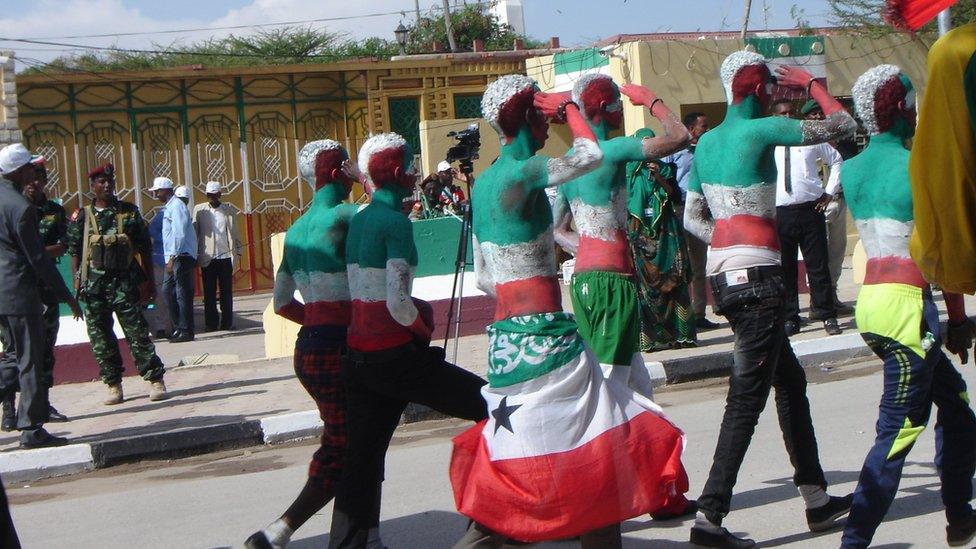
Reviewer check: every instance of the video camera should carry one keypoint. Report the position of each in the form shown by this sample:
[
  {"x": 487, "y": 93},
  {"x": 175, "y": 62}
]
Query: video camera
[{"x": 466, "y": 149}]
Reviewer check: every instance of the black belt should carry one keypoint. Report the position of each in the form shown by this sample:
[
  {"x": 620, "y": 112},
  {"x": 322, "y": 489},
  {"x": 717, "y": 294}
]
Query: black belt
[
  {"x": 755, "y": 274},
  {"x": 381, "y": 356},
  {"x": 801, "y": 206}
]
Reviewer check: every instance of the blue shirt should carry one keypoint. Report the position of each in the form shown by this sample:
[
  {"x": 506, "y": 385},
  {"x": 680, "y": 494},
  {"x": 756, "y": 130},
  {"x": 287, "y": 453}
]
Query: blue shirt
[
  {"x": 682, "y": 161},
  {"x": 179, "y": 238},
  {"x": 156, "y": 234}
]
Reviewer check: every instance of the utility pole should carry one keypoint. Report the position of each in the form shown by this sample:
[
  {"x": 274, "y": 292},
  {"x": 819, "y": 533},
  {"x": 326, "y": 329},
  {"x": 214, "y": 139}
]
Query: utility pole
[
  {"x": 447, "y": 24},
  {"x": 745, "y": 20},
  {"x": 945, "y": 21},
  {"x": 416, "y": 10}
]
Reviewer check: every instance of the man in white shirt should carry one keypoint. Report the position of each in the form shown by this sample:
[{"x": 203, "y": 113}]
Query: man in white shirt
[
  {"x": 219, "y": 249},
  {"x": 179, "y": 254},
  {"x": 801, "y": 200}
]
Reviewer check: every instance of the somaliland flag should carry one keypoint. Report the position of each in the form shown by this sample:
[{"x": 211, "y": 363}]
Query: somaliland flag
[{"x": 564, "y": 450}]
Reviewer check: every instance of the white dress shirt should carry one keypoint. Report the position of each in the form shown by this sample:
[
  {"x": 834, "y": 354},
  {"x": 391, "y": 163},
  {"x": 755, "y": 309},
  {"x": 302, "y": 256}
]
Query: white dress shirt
[
  {"x": 805, "y": 179},
  {"x": 221, "y": 242}
]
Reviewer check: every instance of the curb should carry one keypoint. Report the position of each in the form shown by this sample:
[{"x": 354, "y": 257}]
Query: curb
[{"x": 28, "y": 465}]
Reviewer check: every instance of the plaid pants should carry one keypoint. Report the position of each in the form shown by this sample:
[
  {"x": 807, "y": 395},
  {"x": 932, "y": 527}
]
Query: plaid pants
[{"x": 318, "y": 366}]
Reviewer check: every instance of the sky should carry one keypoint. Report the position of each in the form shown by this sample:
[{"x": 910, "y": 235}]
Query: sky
[{"x": 575, "y": 22}]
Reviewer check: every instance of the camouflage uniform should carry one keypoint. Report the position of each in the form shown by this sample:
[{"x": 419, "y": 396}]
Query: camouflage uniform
[
  {"x": 52, "y": 222},
  {"x": 106, "y": 292}
]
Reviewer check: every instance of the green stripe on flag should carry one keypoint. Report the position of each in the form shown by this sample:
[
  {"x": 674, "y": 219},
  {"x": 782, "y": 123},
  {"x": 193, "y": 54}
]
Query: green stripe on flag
[
  {"x": 799, "y": 46},
  {"x": 526, "y": 347},
  {"x": 579, "y": 61}
]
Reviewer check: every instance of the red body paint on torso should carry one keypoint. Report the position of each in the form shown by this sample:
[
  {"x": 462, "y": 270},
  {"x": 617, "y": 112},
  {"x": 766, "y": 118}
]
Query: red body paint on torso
[
  {"x": 595, "y": 254},
  {"x": 371, "y": 328},
  {"x": 539, "y": 294},
  {"x": 894, "y": 270},
  {"x": 745, "y": 230}
]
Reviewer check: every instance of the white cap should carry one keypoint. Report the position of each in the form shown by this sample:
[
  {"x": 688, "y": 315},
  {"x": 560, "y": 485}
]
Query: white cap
[
  {"x": 161, "y": 183},
  {"x": 182, "y": 192},
  {"x": 213, "y": 187},
  {"x": 13, "y": 157},
  {"x": 443, "y": 166}
]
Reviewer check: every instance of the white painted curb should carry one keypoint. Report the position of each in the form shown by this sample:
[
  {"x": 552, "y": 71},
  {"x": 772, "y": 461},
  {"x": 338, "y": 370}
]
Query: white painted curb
[
  {"x": 24, "y": 465},
  {"x": 288, "y": 427},
  {"x": 844, "y": 342}
]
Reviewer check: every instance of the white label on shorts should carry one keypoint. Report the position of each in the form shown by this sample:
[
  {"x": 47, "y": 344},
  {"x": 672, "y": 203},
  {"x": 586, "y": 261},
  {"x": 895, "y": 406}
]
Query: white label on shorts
[{"x": 733, "y": 278}]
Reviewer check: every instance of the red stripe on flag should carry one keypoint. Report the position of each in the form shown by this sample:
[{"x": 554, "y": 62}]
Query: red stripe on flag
[
  {"x": 746, "y": 230},
  {"x": 599, "y": 255},
  {"x": 539, "y": 294},
  {"x": 627, "y": 471}
]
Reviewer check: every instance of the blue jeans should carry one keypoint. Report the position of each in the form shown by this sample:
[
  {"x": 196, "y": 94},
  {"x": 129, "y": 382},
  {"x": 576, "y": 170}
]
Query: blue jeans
[
  {"x": 911, "y": 384},
  {"x": 178, "y": 288}
]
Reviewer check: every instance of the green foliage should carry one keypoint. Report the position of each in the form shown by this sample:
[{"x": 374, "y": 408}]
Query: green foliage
[
  {"x": 864, "y": 16},
  {"x": 288, "y": 45}
]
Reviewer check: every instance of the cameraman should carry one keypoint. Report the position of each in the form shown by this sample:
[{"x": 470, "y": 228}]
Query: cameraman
[{"x": 434, "y": 184}]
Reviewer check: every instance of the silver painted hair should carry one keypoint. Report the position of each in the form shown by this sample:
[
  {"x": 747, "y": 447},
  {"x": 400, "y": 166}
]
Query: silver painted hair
[
  {"x": 499, "y": 92},
  {"x": 375, "y": 144},
  {"x": 308, "y": 154},
  {"x": 733, "y": 64},
  {"x": 865, "y": 89},
  {"x": 584, "y": 82}
]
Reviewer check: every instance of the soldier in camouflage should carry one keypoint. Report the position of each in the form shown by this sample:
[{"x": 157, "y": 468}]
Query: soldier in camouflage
[
  {"x": 52, "y": 222},
  {"x": 117, "y": 289}
]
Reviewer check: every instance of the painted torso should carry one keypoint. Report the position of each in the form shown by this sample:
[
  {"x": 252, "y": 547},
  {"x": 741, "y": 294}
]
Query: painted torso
[
  {"x": 379, "y": 247},
  {"x": 512, "y": 225},
  {"x": 879, "y": 195},
  {"x": 314, "y": 259},
  {"x": 598, "y": 201}
]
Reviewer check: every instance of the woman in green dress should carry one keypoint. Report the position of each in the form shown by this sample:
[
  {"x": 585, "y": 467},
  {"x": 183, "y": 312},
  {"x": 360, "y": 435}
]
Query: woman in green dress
[{"x": 660, "y": 256}]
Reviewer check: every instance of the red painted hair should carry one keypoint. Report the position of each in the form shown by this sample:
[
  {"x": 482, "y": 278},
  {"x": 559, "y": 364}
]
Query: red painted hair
[
  {"x": 383, "y": 164},
  {"x": 886, "y": 100},
  {"x": 326, "y": 161},
  {"x": 745, "y": 81},
  {"x": 599, "y": 90},
  {"x": 514, "y": 113}
]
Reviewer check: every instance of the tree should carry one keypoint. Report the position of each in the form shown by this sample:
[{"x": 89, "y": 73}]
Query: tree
[
  {"x": 864, "y": 16},
  {"x": 471, "y": 22}
]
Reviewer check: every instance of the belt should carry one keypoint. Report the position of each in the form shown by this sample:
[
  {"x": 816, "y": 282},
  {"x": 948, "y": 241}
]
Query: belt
[
  {"x": 381, "y": 356},
  {"x": 744, "y": 276},
  {"x": 801, "y": 206}
]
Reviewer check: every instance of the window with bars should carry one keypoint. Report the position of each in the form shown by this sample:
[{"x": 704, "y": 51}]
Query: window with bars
[
  {"x": 467, "y": 106},
  {"x": 405, "y": 120}
]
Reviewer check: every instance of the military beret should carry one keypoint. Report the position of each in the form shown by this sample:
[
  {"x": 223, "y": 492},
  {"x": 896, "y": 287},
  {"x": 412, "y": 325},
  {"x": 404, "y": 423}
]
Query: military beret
[{"x": 107, "y": 170}]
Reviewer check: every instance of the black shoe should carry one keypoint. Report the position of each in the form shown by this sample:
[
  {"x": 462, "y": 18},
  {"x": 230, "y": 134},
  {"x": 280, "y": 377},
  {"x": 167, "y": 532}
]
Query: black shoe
[
  {"x": 843, "y": 309},
  {"x": 181, "y": 337},
  {"x": 791, "y": 327},
  {"x": 724, "y": 539},
  {"x": 258, "y": 541},
  {"x": 825, "y": 517},
  {"x": 703, "y": 324},
  {"x": 9, "y": 421},
  {"x": 43, "y": 439},
  {"x": 691, "y": 507},
  {"x": 831, "y": 327},
  {"x": 961, "y": 532},
  {"x": 54, "y": 416},
  {"x": 227, "y": 327}
]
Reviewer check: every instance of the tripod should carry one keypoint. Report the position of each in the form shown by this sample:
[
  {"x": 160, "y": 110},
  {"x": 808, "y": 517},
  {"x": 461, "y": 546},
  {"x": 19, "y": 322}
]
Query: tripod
[{"x": 460, "y": 264}]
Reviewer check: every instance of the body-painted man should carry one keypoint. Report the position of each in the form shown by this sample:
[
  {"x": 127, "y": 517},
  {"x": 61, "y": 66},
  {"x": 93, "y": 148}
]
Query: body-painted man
[
  {"x": 900, "y": 322},
  {"x": 52, "y": 223},
  {"x": 563, "y": 441},
  {"x": 731, "y": 204},
  {"x": 604, "y": 292},
  {"x": 314, "y": 265},
  {"x": 390, "y": 360},
  {"x": 110, "y": 280}
]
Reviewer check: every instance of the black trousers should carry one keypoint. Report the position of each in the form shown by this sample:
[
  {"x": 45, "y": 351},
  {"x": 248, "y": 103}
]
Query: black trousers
[
  {"x": 762, "y": 358},
  {"x": 378, "y": 387},
  {"x": 802, "y": 227},
  {"x": 179, "y": 286},
  {"x": 219, "y": 272},
  {"x": 22, "y": 366}
]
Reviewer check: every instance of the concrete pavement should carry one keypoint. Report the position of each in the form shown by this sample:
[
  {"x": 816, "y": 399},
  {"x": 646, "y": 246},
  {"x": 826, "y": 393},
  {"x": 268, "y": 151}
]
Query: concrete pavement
[{"x": 219, "y": 499}]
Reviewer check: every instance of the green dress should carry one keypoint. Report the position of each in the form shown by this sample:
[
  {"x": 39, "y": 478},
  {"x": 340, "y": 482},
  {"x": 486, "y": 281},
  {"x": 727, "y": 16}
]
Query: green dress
[{"x": 661, "y": 261}]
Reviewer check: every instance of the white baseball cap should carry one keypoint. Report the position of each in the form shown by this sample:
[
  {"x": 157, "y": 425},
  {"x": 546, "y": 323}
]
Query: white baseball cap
[
  {"x": 182, "y": 192},
  {"x": 443, "y": 166},
  {"x": 13, "y": 157},
  {"x": 213, "y": 187},
  {"x": 161, "y": 183}
]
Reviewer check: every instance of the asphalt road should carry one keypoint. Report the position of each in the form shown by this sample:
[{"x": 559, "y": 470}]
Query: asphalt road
[{"x": 219, "y": 499}]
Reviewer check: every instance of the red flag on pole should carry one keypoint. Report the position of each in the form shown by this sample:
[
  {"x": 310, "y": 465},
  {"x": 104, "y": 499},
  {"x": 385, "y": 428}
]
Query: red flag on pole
[{"x": 913, "y": 14}]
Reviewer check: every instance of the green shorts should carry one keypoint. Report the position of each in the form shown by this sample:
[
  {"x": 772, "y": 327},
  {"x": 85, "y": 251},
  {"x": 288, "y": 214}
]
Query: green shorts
[{"x": 605, "y": 305}]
